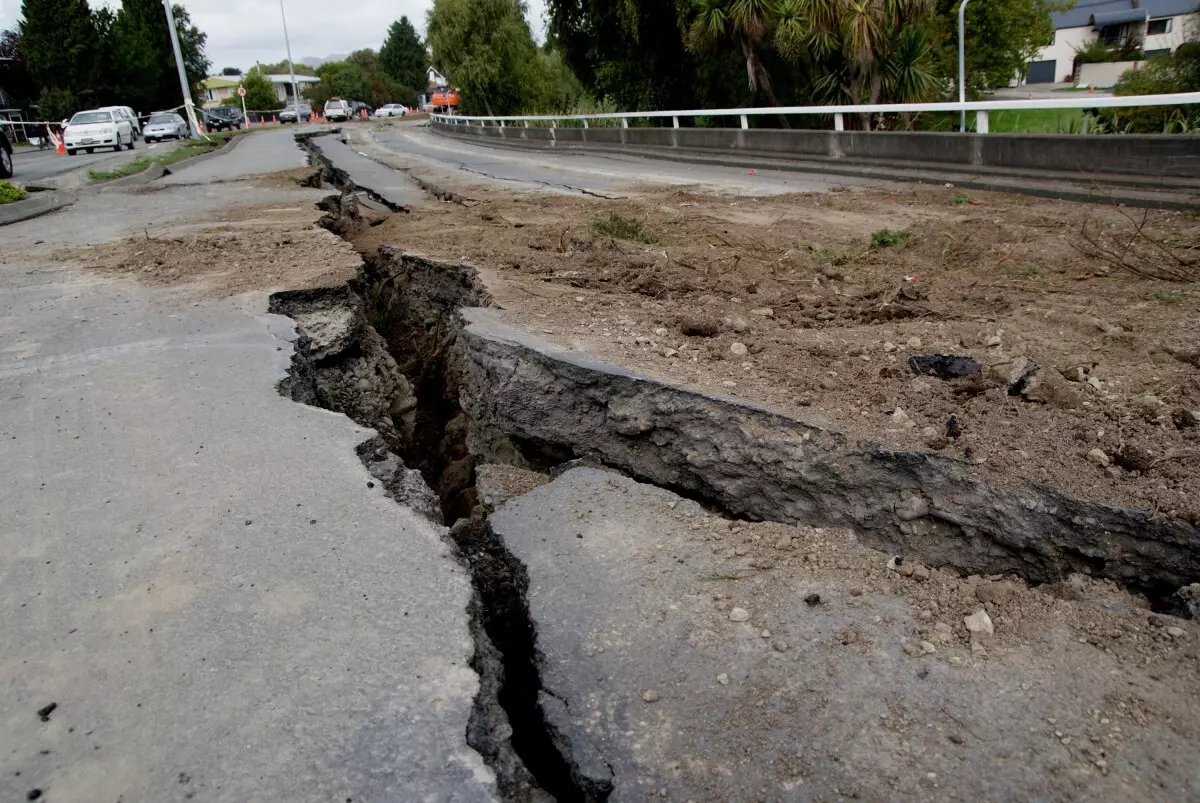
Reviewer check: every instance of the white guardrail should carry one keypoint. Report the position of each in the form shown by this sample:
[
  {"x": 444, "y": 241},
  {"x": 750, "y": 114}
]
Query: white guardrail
[{"x": 1084, "y": 101}]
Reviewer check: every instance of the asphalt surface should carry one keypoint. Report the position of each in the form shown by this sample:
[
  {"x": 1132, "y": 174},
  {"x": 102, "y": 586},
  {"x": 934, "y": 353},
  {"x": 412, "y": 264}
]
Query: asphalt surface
[
  {"x": 574, "y": 172},
  {"x": 34, "y": 166},
  {"x": 197, "y": 574}
]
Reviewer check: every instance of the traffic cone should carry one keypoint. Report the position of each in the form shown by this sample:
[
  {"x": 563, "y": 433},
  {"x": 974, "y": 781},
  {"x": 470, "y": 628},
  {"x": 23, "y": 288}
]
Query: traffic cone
[
  {"x": 262, "y": 122},
  {"x": 274, "y": 119},
  {"x": 61, "y": 150},
  {"x": 1091, "y": 89}
]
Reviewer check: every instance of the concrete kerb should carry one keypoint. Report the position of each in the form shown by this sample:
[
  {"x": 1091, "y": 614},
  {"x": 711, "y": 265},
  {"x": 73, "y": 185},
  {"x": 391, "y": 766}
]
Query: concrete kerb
[
  {"x": 156, "y": 171},
  {"x": 1159, "y": 192},
  {"x": 36, "y": 205}
]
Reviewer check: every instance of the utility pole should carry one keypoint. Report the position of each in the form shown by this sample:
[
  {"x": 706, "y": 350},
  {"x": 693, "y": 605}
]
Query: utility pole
[
  {"x": 291, "y": 66},
  {"x": 189, "y": 106},
  {"x": 962, "y": 65}
]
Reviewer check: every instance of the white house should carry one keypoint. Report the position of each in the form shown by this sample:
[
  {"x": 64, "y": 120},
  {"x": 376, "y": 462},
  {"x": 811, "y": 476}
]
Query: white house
[
  {"x": 1157, "y": 24},
  {"x": 220, "y": 87}
]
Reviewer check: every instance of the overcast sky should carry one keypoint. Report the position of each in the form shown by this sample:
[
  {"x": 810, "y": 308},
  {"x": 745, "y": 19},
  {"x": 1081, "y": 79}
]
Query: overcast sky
[{"x": 241, "y": 32}]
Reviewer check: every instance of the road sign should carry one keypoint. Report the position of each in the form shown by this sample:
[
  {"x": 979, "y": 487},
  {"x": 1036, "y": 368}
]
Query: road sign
[{"x": 241, "y": 91}]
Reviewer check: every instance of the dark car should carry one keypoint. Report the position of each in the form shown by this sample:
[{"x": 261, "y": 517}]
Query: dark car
[
  {"x": 223, "y": 118},
  {"x": 292, "y": 115},
  {"x": 6, "y": 163},
  {"x": 357, "y": 107}
]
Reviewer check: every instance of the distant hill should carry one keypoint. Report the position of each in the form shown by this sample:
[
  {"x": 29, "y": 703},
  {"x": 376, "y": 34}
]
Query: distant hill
[{"x": 315, "y": 62}]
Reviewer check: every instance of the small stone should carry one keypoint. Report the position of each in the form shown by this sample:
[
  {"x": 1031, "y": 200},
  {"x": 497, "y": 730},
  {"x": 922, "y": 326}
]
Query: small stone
[
  {"x": 661, "y": 332},
  {"x": 914, "y": 343},
  {"x": 1175, "y": 632},
  {"x": 925, "y": 616},
  {"x": 1184, "y": 418},
  {"x": 913, "y": 648},
  {"x": 1098, "y": 457},
  {"x": 956, "y": 660},
  {"x": 764, "y": 312},
  {"x": 993, "y": 341},
  {"x": 905, "y": 570},
  {"x": 739, "y": 615},
  {"x": 812, "y": 600},
  {"x": 766, "y": 633},
  {"x": 889, "y": 347},
  {"x": 669, "y": 352},
  {"x": 900, "y": 417},
  {"x": 784, "y": 542},
  {"x": 780, "y": 645},
  {"x": 738, "y": 349},
  {"x": 979, "y": 622},
  {"x": 978, "y": 649},
  {"x": 825, "y": 315},
  {"x": 739, "y": 325},
  {"x": 1148, "y": 406},
  {"x": 928, "y": 648},
  {"x": 723, "y": 679},
  {"x": 642, "y": 340},
  {"x": 849, "y": 637},
  {"x": 651, "y": 696},
  {"x": 920, "y": 573}
]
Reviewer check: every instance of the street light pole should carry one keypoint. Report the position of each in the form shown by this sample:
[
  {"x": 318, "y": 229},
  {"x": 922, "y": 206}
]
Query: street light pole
[
  {"x": 189, "y": 107},
  {"x": 291, "y": 66},
  {"x": 962, "y": 64}
]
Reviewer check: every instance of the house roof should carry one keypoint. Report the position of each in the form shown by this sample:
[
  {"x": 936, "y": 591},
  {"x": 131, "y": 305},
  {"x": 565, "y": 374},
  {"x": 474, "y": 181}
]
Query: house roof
[{"x": 1113, "y": 12}]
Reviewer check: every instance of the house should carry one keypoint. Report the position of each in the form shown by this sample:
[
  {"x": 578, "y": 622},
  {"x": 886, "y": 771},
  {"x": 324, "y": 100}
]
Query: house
[
  {"x": 1157, "y": 25},
  {"x": 220, "y": 87},
  {"x": 436, "y": 79}
]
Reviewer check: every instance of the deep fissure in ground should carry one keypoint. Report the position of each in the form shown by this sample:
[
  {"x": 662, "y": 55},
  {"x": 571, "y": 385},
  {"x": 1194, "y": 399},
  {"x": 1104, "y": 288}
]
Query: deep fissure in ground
[{"x": 409, "y": 311}]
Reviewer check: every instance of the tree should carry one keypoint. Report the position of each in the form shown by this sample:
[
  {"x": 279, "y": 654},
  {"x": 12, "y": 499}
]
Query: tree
[
  {"x": 403, "y": 55},
  {"x": 741, "y": 22},
  {"x": 485, "y": 48},
  {"x": 145, "y": 58},
  {"x": 60, "y": 44},
  {"x": 15, "y": 78},
  {"x": 231, "y": 71},
  {"x": 1003, "y": 36},
  {"x": 260, "y": 93},
  {"x": 281, "y": 68},
  {"x": 351, "y": 82}
]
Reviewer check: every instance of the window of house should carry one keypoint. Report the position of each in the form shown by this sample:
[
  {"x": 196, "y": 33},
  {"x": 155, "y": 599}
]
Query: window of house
[{"x": 1158, "y": 27}]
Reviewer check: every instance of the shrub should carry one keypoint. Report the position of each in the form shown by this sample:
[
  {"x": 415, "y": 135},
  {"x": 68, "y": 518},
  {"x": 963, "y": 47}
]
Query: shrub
[{"x": 9, "y": 194}]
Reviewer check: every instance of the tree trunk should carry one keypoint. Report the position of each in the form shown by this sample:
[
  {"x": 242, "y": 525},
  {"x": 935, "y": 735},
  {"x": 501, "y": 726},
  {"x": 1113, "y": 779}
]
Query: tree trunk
[{"x": 758, "y": 76}]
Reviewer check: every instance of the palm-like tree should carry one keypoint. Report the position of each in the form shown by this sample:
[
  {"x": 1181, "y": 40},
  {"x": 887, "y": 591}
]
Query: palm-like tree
[{"x": 742, "y": 22}]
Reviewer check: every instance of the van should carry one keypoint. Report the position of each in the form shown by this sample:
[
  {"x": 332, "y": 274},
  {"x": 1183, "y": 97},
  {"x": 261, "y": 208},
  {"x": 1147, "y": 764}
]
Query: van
[
  {"x": 128, "y": 114},
  {"x": 337, "y": 110}
]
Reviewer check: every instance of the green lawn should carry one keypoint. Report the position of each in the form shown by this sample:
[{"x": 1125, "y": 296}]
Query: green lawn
[
  {"x": 1036, "y": 121},
  {"x": 10, "y": 194},
  {"x": 190, "y": 148}
]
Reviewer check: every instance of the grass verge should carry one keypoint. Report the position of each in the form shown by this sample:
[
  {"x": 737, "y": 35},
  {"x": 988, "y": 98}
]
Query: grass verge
[
  {"x": 10, "y": 194},
  {"x": 187, "y": 150}
]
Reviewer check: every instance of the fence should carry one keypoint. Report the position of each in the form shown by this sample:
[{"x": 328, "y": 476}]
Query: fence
[{"x": 981, "y": 109}]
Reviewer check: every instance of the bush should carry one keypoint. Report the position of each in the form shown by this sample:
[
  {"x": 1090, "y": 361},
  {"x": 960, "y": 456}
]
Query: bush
[
  {"x": 1168, "y": 74},
  {"x": 10, "y": 194}
]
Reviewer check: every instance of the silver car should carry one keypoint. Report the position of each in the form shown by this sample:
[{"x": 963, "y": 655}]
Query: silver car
[{"x": 165, "y": 125}]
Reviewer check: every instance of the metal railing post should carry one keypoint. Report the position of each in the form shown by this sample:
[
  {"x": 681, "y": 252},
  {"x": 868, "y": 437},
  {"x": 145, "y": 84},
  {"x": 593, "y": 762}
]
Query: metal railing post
[
  {"x": 839, "y": 122},
  {"x": 624, "y": 122},
  {"x": 981, "y": 122},
  {"x": 745, "y": 121},
  {"x": 585, "y": 125},
  {"x": 962, "y": 65},
  {"x": 675, "y": 121}
]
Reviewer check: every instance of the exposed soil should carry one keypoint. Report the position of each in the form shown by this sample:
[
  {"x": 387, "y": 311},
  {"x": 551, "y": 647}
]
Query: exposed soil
[
  {"x": 240, "y": 249},
  {"x": 829, "y": 318}
]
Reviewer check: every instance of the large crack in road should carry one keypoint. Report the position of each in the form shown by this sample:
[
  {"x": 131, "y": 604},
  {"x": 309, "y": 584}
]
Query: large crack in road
[{"x": 411, "y": 350}]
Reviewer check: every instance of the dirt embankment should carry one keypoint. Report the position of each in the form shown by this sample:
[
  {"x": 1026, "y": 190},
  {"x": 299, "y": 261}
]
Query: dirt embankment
[{"x": 814, "y": 304}]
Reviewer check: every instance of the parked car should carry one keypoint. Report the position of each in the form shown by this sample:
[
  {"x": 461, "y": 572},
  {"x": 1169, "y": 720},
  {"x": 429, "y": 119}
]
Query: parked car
[
  {"x": 166, "y": 125},
  {"x": 6, "y": 162},
  {"x": 129, "y": 114},
  {"x": 337, "y": 110},
  {"x": 392, "y": 110},
  {"x": 357, "y": 107},
  {"x": 223, "y": 118},
  {"x": 98, "y": 128},
  {"x": 292, "y": 114}
]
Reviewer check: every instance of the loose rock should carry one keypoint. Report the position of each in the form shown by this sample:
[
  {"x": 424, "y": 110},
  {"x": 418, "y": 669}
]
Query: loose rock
[
  {"x": 739, "y": 615},
  {"x": 979, "y": 622},
  {"x": 723, "y": 679},
  {"x": 651, "y": 696},
  {"x": 780, "y": 646},
  {"x": 738, "y": 349},
  {"x": 699, "y": 325},
  {"x": 1098, "y": 457}
]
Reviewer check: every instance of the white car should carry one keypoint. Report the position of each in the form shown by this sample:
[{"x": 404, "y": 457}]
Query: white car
[
  {"x": 165, "y": 125},
  {"x": 97, "y": 129},
  {"x": 129, "y": 114},
  {"x": 392, "y": 110}
]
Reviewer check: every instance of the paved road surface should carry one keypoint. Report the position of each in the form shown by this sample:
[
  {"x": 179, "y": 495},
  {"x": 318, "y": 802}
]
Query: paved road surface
[
  {"x": 592, "y": 173},
  {"x": 195, "y": 569},
  {"x": 34, "y": 166}
]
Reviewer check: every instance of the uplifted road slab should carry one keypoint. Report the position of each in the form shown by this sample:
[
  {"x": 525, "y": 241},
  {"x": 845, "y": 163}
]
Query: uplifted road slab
[{"x": 693, "y": 657}]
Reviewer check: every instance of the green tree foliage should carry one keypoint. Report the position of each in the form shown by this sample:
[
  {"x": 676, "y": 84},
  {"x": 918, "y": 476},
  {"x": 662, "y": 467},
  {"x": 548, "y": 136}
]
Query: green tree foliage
[
  {"x": 232, "y": 72},
  {"x": 260, "y": 93},
  {"x": 485, "y": 48},
  {"x": 403, "y": 55},
  {"x": 281, "y": 68},
  {"x": 360, "y": 77},
  {"x": 145, "y": 59},
  {"x": 740, "y": 23},
  {"x": 60, "y": 43},
  {"x": 1003, "y": 36},
  {"x": 15, "y": 78}
]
